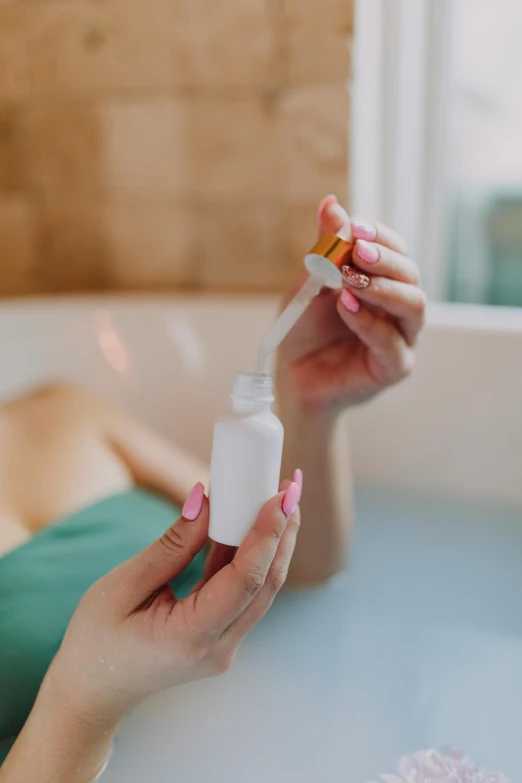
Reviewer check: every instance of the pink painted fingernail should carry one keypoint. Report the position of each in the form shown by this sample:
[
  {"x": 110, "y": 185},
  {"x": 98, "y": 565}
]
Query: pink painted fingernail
[
  {"x": 193, "y": 503},
  {"x": 367, "y": 252},
  {"x": 325, "y": 203},
  {"x": 350, "y": 301},
  {"x": 298, "y": 479},
  {"x": 291, "y": 499},
  {"x": 363, "y": 230}
]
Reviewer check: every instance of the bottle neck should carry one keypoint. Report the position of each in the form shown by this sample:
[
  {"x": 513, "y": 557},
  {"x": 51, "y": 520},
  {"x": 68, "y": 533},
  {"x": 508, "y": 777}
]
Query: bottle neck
[{"x": 252, "y": 392}]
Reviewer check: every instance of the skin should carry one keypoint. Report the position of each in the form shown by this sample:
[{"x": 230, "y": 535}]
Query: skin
[
  {"x": 130, "y": 637},
  {"x": 333, "y": 358}
]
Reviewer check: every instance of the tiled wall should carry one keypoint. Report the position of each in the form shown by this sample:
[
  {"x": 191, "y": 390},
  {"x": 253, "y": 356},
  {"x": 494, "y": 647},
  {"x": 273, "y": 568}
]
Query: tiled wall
[{"x": 152, "y": 144}]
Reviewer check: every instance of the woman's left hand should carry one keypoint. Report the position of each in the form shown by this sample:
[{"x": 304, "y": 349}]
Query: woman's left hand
[
  {"x": 130, "y": 637},
  {"x": 346, "y": 348}
]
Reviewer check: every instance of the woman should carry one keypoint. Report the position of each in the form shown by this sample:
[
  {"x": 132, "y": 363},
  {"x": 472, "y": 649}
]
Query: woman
[{"x": 130, "y": 635}]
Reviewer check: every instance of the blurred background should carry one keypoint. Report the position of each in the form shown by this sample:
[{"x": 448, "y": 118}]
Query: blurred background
[
  {"x": 485, "y": 148},
  {"x": 166, "y": 144},
  {"x": 184, "y": 144}
]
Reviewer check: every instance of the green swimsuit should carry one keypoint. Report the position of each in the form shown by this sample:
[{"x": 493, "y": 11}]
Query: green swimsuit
[{"x": 42, "y": 582}]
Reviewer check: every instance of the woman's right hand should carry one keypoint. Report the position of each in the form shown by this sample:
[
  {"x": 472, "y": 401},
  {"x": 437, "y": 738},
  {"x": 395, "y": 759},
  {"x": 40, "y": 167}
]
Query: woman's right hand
[{"x": 131, "y": 637}]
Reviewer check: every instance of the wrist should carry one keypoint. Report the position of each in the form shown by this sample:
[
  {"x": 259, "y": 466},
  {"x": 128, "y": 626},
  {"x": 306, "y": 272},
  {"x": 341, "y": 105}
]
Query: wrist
[
  {"x": 295, "y": 410},
  {"x": 305, "y": 425},
  {"x": 304, "y": 401},
  {"x": 79, "y": 715},
  {"x": 59, "y": 742}
]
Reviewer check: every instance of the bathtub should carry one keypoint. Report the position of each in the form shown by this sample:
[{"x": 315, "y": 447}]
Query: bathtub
[{"x": 405, "y": 651}]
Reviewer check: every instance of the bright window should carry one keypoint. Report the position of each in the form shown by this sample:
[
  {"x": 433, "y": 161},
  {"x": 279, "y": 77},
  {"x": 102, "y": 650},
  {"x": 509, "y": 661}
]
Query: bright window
[
  {"x": 485, "y": 145},
  {"x": 437, "y": 138}
]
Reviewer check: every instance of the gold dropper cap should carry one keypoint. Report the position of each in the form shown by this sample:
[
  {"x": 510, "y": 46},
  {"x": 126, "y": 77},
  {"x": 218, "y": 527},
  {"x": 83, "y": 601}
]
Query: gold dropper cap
[
  {"x": 332, "y": 247},
  {"x": 328, "y": 255},
  {"x": 323, "y": 263}
]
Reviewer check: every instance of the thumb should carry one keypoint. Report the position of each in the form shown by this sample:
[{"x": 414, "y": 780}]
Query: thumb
[
  {"x": 334, "y": 219},
  {"x": 169, "y": 555}
]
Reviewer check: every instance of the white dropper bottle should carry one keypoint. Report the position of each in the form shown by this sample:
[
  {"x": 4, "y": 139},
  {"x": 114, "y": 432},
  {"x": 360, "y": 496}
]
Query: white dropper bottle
[
  {"x": 323, "y": 264},
  {"x": 246, "y": 459}
]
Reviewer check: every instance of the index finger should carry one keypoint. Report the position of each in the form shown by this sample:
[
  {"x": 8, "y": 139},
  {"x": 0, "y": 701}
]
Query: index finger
[
  {"x": 333, "y": 217},
  {"x": 224, "y": 597}
]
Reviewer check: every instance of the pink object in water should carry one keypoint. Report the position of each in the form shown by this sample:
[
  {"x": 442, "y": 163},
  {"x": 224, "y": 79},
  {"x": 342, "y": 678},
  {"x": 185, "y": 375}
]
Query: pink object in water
[{"x": 430, "y": 766}]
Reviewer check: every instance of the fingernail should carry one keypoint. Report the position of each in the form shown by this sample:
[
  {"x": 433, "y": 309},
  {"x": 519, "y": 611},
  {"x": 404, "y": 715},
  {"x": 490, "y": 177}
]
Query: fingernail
[
  {"x": 350, "y": 301},
  {"x": 363, "y": 230},
  {"x": 291, "y": 499},
  {"x": 353, "y": 277},
  {"x": 367, "y": 252},
  {"x": 325, "y": 203},
  {"x": 193, "y": 503},
  {"x": 298, "y": 479}
]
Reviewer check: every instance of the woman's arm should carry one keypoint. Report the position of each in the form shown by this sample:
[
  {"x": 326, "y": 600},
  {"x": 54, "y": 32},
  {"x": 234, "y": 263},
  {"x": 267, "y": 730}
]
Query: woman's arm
[
  {"x": 153, "y": 461},
  {"x": 58, "y": 743},
  {"x": 318, "y": 443},
  {"x": 344, "y": 350}
]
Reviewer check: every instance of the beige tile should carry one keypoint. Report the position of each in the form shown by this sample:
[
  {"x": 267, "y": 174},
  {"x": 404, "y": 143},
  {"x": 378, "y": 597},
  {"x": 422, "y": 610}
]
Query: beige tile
[
  {"x": 18, "y": 246},
  {"x": 145, "y": 147},
  {"x": 65, "y": 149},
  {"x": 14, "y": 73},
  {"x": 14, "y": 161},
  {"x": 233, "y": 147},
  {"x": 72, "y": 248},
  {"x": 320, "y": 34},
  {"x": 224, "y": 43},
  {"x": 242, "y": 245},
  {"x": 313, "y": 128},
  {"x": 152, "y": 246},
  {"x": 102, "y": 46}
]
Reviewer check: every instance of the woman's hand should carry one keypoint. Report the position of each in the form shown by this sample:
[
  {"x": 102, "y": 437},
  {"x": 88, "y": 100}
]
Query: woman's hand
[
  {"x": 346, "y": 348},
  {"x": 131, "y": 637}
]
